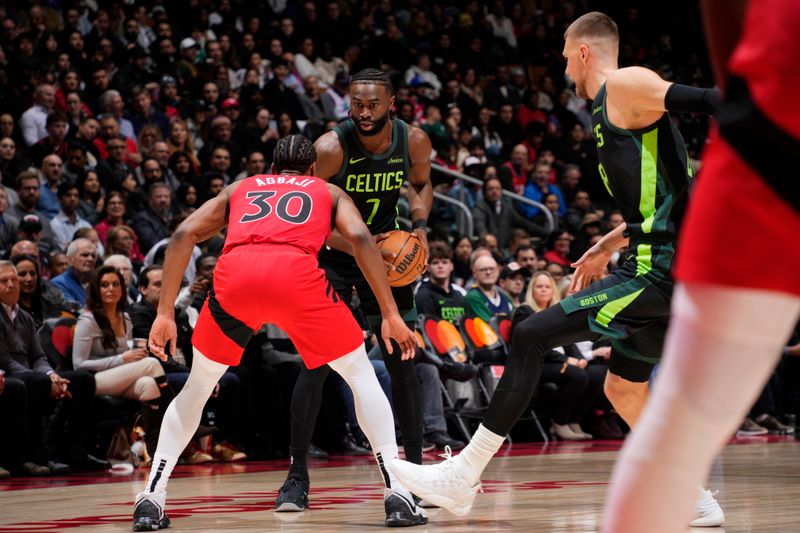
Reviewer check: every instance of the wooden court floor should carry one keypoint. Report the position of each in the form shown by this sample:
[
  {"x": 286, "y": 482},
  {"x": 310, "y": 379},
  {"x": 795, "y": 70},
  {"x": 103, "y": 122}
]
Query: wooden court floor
[{"x": 558, "y": 488}]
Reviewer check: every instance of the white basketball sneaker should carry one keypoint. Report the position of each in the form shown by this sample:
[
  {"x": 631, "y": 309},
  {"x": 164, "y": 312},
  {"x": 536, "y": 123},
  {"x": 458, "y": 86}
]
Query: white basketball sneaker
[
  {"x": 708, "y": 512},
  {"x": 441, "y": 484}
]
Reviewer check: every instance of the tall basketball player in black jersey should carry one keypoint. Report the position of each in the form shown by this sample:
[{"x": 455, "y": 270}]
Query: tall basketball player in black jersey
[
  {"x": 644, "y": 165},
  {"x": 370, "y": 156}
]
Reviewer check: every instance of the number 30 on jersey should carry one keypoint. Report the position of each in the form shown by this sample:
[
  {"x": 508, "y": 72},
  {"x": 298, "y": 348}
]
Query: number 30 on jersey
[{"x": 293, "y": 207}]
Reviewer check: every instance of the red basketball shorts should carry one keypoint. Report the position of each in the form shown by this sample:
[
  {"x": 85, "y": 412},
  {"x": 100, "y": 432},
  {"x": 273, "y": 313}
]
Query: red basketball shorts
[
  {"x": 738, "y": 231},
  {"x": 259, "y": 284}
]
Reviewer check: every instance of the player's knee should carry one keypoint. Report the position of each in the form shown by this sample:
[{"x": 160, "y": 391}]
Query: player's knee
[
  {"x": 529, "y": 336},
  {"x": 618, "y": 389}
]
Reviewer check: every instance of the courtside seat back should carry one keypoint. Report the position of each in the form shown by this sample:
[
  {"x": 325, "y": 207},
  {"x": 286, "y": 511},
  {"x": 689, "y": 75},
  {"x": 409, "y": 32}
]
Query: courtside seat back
[{"x": 485, "y": 344}]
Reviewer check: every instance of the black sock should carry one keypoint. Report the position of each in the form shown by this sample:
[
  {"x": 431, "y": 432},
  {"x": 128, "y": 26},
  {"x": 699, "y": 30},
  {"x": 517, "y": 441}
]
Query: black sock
[{"x": 299, "y": 467}]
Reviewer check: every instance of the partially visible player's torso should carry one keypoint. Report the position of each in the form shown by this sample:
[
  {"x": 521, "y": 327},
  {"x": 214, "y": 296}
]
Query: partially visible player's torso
[
  {"x": 647, "y": 172},
  {"x": 280, "y": 210},
  {"x": 374, "y": 181}
]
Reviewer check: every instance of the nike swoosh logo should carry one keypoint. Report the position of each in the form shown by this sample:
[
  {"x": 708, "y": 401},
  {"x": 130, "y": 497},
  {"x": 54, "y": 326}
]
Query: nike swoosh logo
[
  {"x": 596, "y": 110},
  {"x": 354, "y": 161}
]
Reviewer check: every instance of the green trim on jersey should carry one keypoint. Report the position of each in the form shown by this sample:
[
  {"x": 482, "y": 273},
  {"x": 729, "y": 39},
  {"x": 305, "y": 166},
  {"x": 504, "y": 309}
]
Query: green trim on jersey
[
  {"x": 647, "y": 172},
  {"x": 650, "y": 178},
  {"x": 607, "y": 313},
  {"x": 644, "y": 259}
]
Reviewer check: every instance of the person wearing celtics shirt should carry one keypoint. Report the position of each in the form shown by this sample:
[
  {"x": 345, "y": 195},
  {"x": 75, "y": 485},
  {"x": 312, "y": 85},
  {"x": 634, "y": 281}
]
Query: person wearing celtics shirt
[{"x": 370, "y": 156}]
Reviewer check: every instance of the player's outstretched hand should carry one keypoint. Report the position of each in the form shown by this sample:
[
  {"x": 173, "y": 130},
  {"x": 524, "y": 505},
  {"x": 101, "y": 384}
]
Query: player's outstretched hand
[
  {"x": 163, "y": 330},
  {"x": 393, "y": 327},
  {"x": 590, "y": 267}
]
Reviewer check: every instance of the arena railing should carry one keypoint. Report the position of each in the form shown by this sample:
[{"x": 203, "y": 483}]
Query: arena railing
[{"x": 518, "y": 197}]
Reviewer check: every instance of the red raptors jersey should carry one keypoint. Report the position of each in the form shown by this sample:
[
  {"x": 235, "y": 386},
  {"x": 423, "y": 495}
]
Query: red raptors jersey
[
  {"x": 267, "y": 209},
  {"x": 767, "y": 56},
  {"x": 738, "y": 212}
]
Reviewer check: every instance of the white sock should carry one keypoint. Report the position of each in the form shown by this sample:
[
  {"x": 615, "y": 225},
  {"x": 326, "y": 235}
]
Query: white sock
[
  {"x": 722, "y": 345},
  {"x": 373, "y": 411},
  {"x": 182, "y": 419},
  {"x": 473, "y": 459}
]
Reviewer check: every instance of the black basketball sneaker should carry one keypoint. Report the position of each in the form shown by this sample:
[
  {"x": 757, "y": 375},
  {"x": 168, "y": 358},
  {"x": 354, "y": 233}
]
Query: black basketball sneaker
[
  {"x": 402, "y": 510},
  {"x": 148, "y": 514},
  {"x": 293, "y": 496}
]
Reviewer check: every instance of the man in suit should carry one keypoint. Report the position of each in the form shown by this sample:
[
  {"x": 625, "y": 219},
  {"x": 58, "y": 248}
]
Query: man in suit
[{"x": 22, "y": 358}]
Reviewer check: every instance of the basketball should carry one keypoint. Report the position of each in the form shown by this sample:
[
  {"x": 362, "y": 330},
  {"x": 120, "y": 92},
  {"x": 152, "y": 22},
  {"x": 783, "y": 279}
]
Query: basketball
[{"x": 409, "y": 263}]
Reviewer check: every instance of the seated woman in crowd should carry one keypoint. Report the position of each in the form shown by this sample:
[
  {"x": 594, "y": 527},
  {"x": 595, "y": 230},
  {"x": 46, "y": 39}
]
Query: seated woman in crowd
[
  {"x": 579, "y": 385},
  {"x": 103, "y": 345},
  {"x": 91, "y": 200},
  {"x": 180, "y": 163},
  {"x": 121, "y": 240},
  {"x": 186, "y": 199},
  {"x": 553, "y": 204},
  {"x": 558, "y": 248},
  {"x": 38, "y": 296},
  {"x": 148, "y": 136},
  {"x": 115, "y": 214},
  {"x": 560, "y": 276},
  {"x": 179, "y": 140}
]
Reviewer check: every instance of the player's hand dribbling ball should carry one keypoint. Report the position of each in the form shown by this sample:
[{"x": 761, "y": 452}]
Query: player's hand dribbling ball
[{"x": 409, "y": 259}]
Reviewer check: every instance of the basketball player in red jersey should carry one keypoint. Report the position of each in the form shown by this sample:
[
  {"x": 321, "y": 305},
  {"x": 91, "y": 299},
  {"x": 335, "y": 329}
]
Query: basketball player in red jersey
[
  {"x": 730, "y": 322},
  {"x": 268, "y": 272}
]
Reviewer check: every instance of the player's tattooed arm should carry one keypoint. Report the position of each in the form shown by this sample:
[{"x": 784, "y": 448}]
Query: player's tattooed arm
[
  {"x": 420, "y": 190},
  {"x": 330, "y": 156}
]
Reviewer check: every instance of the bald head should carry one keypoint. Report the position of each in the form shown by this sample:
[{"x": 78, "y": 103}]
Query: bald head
[
  {"x": 25, "y": 247},
  {"x": 51, "y": 168}
]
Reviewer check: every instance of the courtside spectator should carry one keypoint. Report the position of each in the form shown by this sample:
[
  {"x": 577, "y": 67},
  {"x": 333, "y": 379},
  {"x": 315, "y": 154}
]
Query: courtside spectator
[{"x": 81, "y": 254}]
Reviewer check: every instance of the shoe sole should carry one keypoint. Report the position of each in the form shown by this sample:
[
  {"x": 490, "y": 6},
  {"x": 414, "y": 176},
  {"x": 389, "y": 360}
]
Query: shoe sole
[
  {"x": 715, "y": 520},
  {"x": 289, "y": 507},
  {"x": 402, "y": 522},
  {"x": 161, "y": 524}
]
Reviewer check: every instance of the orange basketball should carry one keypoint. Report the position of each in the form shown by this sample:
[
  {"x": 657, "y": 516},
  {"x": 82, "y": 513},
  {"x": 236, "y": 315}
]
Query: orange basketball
[{"x": 409, "y": 263}]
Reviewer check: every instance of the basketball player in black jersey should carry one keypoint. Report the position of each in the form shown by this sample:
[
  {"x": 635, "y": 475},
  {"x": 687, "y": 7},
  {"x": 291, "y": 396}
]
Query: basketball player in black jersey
[
  {"x": 644, "y": 165},
  {"x": 370, "y": 156}
]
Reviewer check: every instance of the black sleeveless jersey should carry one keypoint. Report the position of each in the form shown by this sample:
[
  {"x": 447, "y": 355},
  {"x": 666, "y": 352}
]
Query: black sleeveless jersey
[
  {"x": 373, "y": 181},
  {"x": 647, "y": 171}
]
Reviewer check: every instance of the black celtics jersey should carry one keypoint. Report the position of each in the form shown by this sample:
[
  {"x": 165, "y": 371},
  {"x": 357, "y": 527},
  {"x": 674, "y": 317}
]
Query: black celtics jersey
[
  {"x": 647, "y": 172},
  {"x": 373, "y": 181}
]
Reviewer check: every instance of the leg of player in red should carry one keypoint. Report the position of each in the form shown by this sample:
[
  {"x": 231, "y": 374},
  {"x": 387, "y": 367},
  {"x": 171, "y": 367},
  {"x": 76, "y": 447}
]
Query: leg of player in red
[
  {"x": 730, "y": 322},
  {"x": 253, "y": 280}
]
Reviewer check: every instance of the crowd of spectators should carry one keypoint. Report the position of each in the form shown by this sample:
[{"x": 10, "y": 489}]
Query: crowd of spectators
[{"x": 118, "y": 119}]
